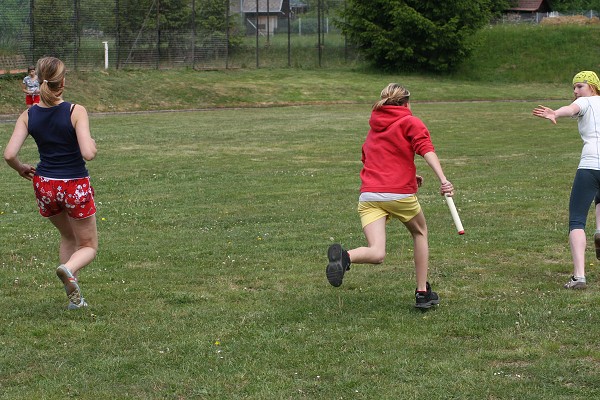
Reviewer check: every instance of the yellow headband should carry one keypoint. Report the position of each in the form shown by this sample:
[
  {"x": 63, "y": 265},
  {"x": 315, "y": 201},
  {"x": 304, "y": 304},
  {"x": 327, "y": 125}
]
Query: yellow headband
[{"x": 588, "y": 77}]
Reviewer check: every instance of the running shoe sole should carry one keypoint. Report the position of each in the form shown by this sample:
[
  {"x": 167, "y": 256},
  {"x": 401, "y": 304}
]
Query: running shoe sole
[
  {"x": 335, "y": 270},
  {"x": 429, "y": 304},
  {"x": 71, "y": 286}
]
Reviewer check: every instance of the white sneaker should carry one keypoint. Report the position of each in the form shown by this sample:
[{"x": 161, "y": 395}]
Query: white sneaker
[
  {"x": 73, "y": 306},
  {"x": 70, "y": 283},
  {"x": 575, "y": 283}
]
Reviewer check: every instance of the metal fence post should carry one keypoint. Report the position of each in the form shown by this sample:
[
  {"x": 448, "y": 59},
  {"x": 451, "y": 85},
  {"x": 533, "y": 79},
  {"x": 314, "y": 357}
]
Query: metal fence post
[
  {"x": 117, "y": 33},
  {"x": 227, "y": 33},
  {"x": 257, "y": 34},
  {"x": 193, "y": 50},
  {"x": 289, "y": 33},
  {"x": 76, "y": 37},
  {"x": 157, "y": 34},
  {"x": 32, "y": 31}
]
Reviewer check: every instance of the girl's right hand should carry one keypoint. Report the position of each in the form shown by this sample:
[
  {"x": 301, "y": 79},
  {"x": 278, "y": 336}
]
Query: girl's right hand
[
  {"x": 545, "y": 112},
  {"x": 27, "y": 171}
]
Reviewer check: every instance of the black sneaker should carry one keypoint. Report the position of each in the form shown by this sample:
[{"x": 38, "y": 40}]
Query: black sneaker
[
  {"x": 597, "y": 244},
  {"x": 427, "y": 299},
  {"x": 339, "y": 263}
]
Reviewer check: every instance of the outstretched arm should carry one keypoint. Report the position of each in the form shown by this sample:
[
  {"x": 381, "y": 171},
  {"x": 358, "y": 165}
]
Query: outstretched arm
[
  {"x": 434, "y": 163},
  {"x": 552, "y": 115}
]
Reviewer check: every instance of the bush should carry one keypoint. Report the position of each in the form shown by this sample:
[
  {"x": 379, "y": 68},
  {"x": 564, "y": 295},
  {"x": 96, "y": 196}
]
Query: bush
[{"x": 414, "y": 35}]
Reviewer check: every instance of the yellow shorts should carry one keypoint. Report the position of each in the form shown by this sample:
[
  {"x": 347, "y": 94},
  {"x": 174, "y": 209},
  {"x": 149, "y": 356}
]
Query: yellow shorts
[{"x": 405, "y": 210}]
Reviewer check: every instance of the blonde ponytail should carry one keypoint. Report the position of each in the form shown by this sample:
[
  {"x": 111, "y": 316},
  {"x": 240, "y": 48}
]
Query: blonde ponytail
[
  {"x": 393, "y": 95},
  {"x": 51, "y": 75}
]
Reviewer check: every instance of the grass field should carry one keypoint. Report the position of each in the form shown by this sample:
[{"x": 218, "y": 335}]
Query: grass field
[
  {"x": 210, "y": 282},
  {"x": 138, "y": 90}
]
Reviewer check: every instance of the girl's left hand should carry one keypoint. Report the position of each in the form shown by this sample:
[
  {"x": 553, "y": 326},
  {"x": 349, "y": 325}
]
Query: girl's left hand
[
  {"x": 447, "y": 188},
  {"x": 419, "y": 180}
]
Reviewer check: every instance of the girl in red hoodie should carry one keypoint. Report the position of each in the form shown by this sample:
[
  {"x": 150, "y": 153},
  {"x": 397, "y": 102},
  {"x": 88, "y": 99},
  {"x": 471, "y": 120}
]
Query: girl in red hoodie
[{"x": 389, "y": 183}]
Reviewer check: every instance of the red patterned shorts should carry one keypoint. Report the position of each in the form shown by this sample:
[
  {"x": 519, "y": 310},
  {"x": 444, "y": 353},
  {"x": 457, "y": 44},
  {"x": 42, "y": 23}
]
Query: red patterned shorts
[{"x": 54, "y": 196}]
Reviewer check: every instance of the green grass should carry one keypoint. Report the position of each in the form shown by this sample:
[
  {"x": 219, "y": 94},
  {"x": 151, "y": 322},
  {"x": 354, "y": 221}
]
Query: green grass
[
  {"x": 142, "y": 90},
  {"x": 532, "y": 53},
  {"x": 214, "y": 224},
  {"x": 210, "y": 279}
]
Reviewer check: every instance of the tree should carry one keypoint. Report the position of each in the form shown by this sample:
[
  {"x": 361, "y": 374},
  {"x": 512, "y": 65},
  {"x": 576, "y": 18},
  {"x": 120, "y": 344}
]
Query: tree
[
  {"x": 575, "y": 5},
  {"x": 411, "y": 35},
  {"x": 13, "y": 17},
  {"x": 54, "y": 30}
]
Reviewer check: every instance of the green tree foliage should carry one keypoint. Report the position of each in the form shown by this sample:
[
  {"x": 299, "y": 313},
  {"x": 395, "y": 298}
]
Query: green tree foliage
[
  {"x": 174, "y": 17},
  {"x": 210, "y": 15},
  {"x": 411, "y": 35},
  {"x": 174, "y": 22},
  {"x": 575, "y": 5},
  {"x": 97, "y": 16},
  {"x": 11, "y": 21},
  {"x": 211, "y": 23},
  {"x": 53, "y": 27}
]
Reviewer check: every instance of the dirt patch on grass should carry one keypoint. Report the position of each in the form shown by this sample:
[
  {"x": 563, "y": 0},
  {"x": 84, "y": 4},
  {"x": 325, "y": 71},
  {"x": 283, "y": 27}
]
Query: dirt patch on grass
[{"x": 572, "y": 20}]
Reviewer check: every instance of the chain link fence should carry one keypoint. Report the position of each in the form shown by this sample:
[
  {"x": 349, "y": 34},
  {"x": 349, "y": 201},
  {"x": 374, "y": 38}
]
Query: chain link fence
[
  {"x": 199, "y": 34},
  {"x": 551, "y": 17}
]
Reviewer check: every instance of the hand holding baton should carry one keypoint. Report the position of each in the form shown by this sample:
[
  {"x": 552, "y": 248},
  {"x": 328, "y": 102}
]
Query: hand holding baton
[{"x": 454, "y": 213}]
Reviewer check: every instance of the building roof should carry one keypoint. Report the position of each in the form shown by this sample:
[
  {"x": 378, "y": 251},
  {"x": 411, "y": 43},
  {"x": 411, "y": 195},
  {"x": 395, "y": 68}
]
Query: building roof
[
  {"x": 274, "y": 6},
  {"x": 529, "y": 5}
]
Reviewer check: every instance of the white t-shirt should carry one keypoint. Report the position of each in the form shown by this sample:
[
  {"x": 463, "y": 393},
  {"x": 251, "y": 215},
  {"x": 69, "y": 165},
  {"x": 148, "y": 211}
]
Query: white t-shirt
[
  {"x": 374, "y": 196},
  {"x": 32, "y": 84},
  {"x": 588, "y": 121}
]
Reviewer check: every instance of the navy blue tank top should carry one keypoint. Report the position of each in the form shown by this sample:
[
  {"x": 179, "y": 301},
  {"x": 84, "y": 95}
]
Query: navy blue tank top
[{"x": 54, "y": 134}]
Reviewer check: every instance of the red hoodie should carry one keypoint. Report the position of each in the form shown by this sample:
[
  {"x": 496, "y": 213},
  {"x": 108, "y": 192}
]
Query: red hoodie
[{"x": 388, "y": 154}]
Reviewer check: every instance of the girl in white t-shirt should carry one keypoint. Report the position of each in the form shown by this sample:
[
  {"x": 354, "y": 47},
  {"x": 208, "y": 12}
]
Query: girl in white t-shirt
[
  {"x": 586, "y": 185},
  {"x": 31, "y": 87}
]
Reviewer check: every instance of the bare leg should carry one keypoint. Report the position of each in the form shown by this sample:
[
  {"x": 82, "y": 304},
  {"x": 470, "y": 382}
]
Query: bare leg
[
  {"x": 78, "y": 241},
  {"x": 374, "y": 253},
  {"x": 577, "y": 244},
  {"x": 418, "y": 229}
]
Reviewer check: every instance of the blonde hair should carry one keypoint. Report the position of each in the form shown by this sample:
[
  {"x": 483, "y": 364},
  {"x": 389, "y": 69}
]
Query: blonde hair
[
  {"x": 595, "y": 89},
  {"x": 51, "y": 75},
  {"x": 393, "y": 95}
]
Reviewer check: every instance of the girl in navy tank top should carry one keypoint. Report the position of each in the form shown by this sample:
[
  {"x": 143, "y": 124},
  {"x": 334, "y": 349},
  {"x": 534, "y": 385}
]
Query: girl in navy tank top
[{"x": 61, "y": 182}]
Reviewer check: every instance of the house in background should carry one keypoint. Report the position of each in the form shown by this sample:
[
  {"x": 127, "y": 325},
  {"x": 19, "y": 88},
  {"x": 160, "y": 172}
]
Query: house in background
[
  {"x": 298, "y": 7},
  {"x": 528, "y": 9},
  {"x": 269, "y": 13}
]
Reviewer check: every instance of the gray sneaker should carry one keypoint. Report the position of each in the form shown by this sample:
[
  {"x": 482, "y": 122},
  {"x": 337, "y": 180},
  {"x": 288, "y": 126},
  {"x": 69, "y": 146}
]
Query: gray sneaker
[
  {"x": 573, "y": 283},
  {"x": 71, "y": 286},
  {"x": 73, "y": 306}
]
